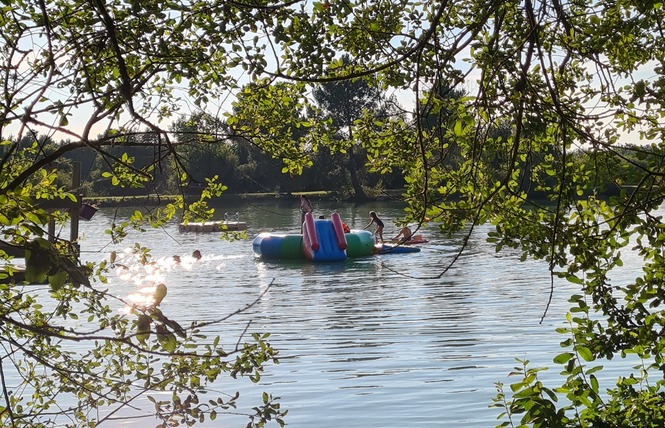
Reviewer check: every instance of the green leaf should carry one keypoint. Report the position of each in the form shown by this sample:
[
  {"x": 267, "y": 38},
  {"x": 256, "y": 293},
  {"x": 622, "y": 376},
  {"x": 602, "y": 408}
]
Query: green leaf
[
  {"x": 143, "y": 328},
  {"x": 563, "y": 358},
  {"x": 166, "y": 338},
  {"x": 159, "y": 294},
  {"x": 457, "y": 129},
  {"x": 584, "y": 353},
  {"x": 57, "y": 280},
  {"x": 574, "y": 279}
]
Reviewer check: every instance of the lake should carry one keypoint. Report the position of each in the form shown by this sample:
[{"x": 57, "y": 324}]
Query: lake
[{"x": 383, "y": 341}]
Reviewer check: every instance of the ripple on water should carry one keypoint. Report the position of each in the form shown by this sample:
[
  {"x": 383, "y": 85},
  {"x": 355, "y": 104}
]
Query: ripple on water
[{"x": 388, "y": 341}]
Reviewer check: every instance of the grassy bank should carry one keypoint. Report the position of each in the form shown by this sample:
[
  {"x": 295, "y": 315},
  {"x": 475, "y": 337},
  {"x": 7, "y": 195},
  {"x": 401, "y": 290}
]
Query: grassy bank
[{"x": 155, "y": 199}]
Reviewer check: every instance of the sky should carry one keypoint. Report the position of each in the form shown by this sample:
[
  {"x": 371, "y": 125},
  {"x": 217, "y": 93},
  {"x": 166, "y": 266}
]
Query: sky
[{"x": 219, "y": 106}]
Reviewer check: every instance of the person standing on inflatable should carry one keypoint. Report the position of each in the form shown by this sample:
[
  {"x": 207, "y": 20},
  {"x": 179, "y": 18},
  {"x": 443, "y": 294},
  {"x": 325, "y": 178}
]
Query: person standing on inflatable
[
  {"x": 305, "y": 207},
  {"x": 378, "y": 233}
]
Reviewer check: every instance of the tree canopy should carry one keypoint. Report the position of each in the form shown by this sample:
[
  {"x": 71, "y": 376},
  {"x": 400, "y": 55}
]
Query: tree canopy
[{"x": 542, "y": 83}]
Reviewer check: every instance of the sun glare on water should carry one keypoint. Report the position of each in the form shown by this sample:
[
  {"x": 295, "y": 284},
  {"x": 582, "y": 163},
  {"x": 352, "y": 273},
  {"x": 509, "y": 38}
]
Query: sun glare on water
[{"x": 149, "y": 277}]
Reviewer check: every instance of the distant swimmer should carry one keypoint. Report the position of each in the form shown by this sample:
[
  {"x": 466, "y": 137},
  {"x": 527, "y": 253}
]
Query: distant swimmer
[{"x": 197, "y": 255}]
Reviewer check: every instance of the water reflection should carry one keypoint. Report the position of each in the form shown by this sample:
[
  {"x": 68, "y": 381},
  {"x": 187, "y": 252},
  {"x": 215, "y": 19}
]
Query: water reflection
[{"x": 384, "y": 341}]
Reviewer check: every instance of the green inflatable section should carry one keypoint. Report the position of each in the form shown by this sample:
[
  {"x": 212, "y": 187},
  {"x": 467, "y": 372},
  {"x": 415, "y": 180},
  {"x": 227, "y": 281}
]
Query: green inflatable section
[
  {"x": 359, "y": 243},
  {"x": 292, "y": 247}
]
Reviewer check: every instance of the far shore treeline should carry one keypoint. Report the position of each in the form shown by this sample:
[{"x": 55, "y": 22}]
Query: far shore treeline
[
  {"x": 343, "y": 163},
  {"x": 249, "y": 173}
]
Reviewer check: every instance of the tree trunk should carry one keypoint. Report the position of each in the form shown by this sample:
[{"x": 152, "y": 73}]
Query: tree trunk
[{"x": 359, "y": 193}]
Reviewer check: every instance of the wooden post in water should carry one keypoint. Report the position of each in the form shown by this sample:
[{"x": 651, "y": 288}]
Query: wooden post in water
[
  {"x": 74, "y": 211},
  {"x": 51, "y": 227}
]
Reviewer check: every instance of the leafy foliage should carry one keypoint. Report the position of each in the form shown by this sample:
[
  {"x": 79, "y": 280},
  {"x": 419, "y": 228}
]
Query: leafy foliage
[
  {"x": 350, "y": 106},
  {"x": 125, "y": 356},
  {"x": 75, "y": 69},
  {"x": 534, "y": 145}
]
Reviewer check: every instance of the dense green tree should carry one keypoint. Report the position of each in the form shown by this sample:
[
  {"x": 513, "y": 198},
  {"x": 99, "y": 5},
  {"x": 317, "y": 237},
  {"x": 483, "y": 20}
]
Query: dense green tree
[
  {"x": 346, "y": 156},
  {"x": 203, "y": 147},
  {"x": 270, "y": 117},
  {"x": 344, "y": 102}
]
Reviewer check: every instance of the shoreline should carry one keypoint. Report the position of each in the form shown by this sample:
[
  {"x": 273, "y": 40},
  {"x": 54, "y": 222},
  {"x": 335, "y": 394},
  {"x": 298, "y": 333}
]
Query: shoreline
[{"x": 156, "y": 199}]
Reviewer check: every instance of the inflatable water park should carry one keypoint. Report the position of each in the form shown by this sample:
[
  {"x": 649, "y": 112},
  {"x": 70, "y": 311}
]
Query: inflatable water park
[{"x": 324, "y": 240}]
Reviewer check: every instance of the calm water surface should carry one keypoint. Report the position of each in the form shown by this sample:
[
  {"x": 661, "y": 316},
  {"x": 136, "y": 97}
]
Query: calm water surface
[{"x": 383, "y": 341}]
